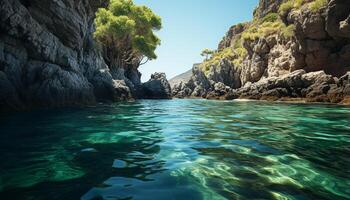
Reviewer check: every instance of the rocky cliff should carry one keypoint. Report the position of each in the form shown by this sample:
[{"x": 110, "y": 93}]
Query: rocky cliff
[
  {"x": 291, "y": 38},
  {"x": 48, "y": 56}
]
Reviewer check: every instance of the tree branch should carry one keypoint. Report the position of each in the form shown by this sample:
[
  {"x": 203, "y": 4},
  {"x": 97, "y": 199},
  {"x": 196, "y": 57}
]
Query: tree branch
[{"x": 142, "y": 63}]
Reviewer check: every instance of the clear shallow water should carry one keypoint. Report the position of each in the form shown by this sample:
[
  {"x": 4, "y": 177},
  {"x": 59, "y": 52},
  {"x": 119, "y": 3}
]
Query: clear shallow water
[{"x": 178, "y": 149}]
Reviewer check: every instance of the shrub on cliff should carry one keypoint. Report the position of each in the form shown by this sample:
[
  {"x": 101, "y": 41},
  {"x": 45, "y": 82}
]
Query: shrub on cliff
[
  {"x": 316, "y": 5},
  {"x": 289, "y": 31},
  {"x": 271, "y": 17},
  {"x": 260, "y": 30},
  {"x": 289, "y": 5},
  {"x": 285, "y": 8},
  {"x": 126, "y": 33},
  {"x": 206, "y": 53},
  {"x": 216, "y": 58},
  {"x": 235, "y": 55},
  {"x": 268, "y": 25}
]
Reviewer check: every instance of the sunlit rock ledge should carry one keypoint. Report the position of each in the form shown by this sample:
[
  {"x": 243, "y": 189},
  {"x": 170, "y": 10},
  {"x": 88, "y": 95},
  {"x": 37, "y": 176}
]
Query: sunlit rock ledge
[
  {"x": 295, "y": 86},
  {"x": 287, "y": 51}
]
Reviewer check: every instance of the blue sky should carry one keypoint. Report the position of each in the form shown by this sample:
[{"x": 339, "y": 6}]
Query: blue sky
[{"x": 189, "y": 26}]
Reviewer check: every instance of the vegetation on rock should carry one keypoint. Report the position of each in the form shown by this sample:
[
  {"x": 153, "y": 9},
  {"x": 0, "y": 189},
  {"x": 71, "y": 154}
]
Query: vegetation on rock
[
  {"x": 216, "y": 59},
  {"x": 290, "y": 50},
  {"x": 126, "y": 33},
  {"x": 240, "y": 54},
  {"x": 258, "y": 30},
  {"x": 270, "y": 24},
  {"x": 317, "y": 5},
  {"x": 231, "y": 54},
  {"x": 271, "y": 17},
  {"x": 289, "y": 5},
  {"x": 206, "y": 53},
  {"x": 288, "y": 31}
]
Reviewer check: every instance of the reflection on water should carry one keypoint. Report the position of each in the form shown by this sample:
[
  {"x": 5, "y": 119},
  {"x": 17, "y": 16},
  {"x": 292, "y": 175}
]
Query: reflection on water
[{"x": 179, "y": 149}]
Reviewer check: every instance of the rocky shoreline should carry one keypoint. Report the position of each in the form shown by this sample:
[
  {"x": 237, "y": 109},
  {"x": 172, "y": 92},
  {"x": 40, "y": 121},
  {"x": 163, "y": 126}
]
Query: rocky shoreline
[
  {"x": 48, "y": 57},
  {"x": 298, "y": 86},
  {"x": 306, "y": 58},
  {"x": 311, "y": 87}
]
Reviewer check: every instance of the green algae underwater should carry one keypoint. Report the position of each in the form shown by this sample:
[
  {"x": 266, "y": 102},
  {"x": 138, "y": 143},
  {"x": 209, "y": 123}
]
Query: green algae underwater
[{"x": 177, "y": 149}]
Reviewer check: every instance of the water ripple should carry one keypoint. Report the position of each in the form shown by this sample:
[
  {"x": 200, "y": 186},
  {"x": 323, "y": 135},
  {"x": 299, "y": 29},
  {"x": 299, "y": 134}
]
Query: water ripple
[{"x": 179, "y": 149}]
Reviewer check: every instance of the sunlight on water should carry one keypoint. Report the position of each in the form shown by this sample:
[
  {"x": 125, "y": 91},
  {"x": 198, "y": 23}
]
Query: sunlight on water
[{"x": 183, "y": 149}]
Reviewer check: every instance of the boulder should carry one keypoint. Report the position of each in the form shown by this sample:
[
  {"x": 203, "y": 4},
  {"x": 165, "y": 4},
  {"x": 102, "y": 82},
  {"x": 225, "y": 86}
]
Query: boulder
[
  {"x": 219, "y": 90},
  {"x": 318, "y": 77},
  {"x": 181, "y": 90},
  {"x": 337, "y": 18},
  {"x": 157, "y": 87}
]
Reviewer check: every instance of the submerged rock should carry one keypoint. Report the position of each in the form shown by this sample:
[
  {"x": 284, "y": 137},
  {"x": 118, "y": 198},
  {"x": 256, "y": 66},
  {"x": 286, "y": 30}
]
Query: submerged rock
[
  {"x": 119, "y": 164},
  {"x": 90, "y": 150}
]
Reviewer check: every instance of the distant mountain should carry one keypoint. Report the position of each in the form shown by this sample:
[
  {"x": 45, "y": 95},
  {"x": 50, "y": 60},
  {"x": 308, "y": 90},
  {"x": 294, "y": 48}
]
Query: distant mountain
[{"x": 184, "y": 77}]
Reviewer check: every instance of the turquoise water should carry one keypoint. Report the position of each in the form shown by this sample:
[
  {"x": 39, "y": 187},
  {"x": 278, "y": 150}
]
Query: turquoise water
[{"x": 177, "y": 149}]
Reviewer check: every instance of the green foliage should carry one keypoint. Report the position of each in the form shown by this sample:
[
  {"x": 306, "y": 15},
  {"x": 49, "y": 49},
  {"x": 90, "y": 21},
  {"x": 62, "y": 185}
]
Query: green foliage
[
  {"x": 299, "y": 3},
  {"x": 127, "y": 31},
  {"x": 313, "y": 5},
  {"x": 286, "y": 7},
  {"x": 265, "y": 29},
  {"x": 289, "y": 5},
  {"x": 239, "y": 51},
  {"x": 206, "y": 53},
  {"x": 216, "y": 59},
  {"x": 234, "y": 55},
  {"x": 271, "y": 17},
  {"x": 317, "y": 4},
  {"x": 289, "y": 31},
  {"x": 271, "y": 24},
  {"x": 240, "y": 54},
  {"x": 237, "y": 43}
]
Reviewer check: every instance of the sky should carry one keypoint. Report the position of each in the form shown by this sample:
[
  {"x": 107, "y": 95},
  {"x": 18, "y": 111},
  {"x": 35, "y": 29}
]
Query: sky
[{"x": 189, "y": 26}]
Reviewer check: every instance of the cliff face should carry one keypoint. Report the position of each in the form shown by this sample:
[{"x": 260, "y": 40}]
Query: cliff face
[
  {"x": 278, "y": 42},
  {"x": 48, "y": 56},
  {"x": 267, "y": 6}
]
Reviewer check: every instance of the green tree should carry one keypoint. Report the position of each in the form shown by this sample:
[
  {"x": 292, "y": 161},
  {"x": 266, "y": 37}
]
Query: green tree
[
  {"x": 206, "y": 53},
  {"x": 126, "y": 33}
]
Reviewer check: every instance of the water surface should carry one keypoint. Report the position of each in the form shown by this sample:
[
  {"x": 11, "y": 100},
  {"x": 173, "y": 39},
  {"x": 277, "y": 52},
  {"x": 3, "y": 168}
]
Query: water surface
[{"x": 178, "y": 149}]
